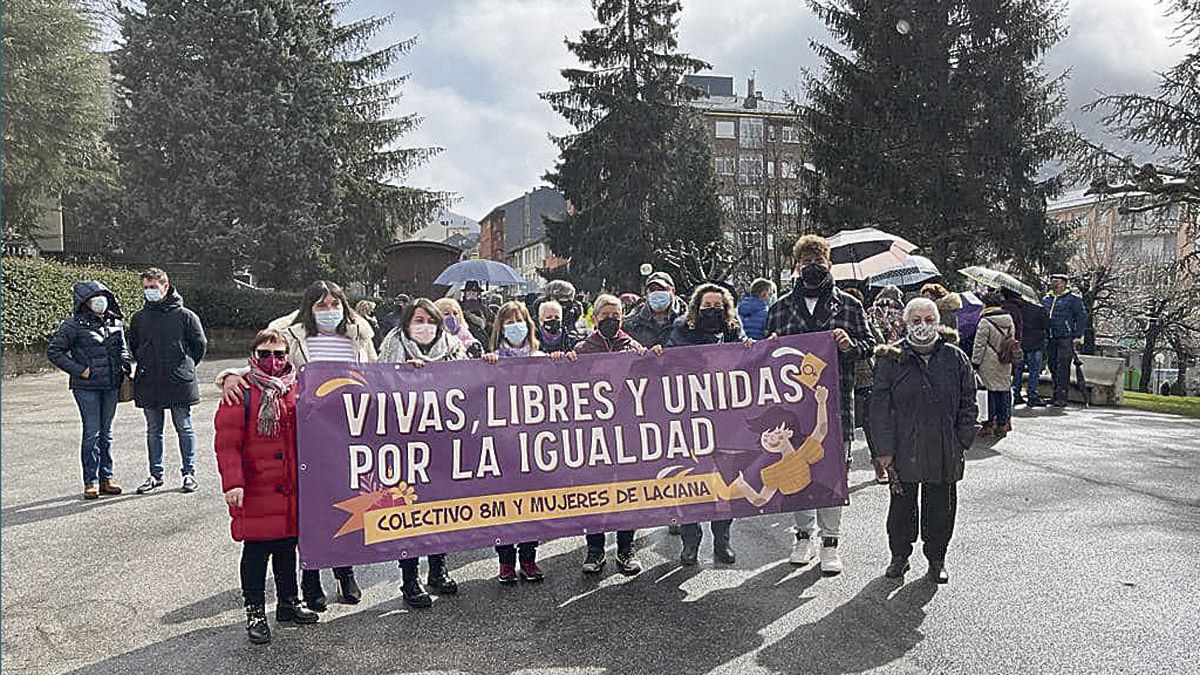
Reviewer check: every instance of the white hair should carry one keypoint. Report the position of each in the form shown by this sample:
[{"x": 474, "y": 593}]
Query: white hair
[
  {"x": 921, "y": 303},
  {"x": 547, "y": 304},
  {"x": 605, "y": 299}
]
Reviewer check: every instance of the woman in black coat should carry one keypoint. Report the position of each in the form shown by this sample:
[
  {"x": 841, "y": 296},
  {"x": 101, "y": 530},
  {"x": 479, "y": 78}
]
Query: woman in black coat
[
  {"x": 923, "y": 416},
  {"x": 90, "y": 346},
  {"x": 711, "y": 318}
]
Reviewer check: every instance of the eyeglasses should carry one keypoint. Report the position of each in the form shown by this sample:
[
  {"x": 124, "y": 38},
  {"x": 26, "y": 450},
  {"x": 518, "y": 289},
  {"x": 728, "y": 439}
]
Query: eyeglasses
[{"x": 264, "y": 353}]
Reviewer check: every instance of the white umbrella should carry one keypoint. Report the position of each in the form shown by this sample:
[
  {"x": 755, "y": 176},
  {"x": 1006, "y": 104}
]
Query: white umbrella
[
  {"x": 916, "y": 268},
  {"x": 862, "y": 253}
]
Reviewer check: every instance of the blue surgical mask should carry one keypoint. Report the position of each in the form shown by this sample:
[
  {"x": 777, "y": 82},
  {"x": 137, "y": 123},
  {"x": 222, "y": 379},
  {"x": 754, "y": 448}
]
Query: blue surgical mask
[
  {"x": 153, "y": 294},
  {"x": 329, "y": 319},
  {"x": 516, "y": 333},
  {"x": 659, "y": 300},
  {"x": 98, "y": 304}
]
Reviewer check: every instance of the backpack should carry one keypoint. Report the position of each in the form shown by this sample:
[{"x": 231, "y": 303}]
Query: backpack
[{"x": 1010, "y": 351}]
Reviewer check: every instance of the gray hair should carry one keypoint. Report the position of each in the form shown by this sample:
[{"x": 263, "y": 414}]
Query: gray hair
[
  {"x": 560, "y": 288},
  {"x": 921, "y": 303},
  {"x": 605, "y": 299}
]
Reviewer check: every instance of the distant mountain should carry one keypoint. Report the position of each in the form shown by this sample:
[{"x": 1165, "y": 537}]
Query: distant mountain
[{"x": 452, "y": 219}]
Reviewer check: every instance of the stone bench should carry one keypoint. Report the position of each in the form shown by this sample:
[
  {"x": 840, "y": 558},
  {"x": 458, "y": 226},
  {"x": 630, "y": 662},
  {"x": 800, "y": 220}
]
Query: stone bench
[{"x": 1104, "y": 377}]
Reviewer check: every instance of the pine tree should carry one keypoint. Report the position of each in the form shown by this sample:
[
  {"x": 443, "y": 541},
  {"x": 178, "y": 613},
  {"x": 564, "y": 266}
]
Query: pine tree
[
  {"x": 223, "y": 138},
  {"x": 373, "y": 209},
  {"x": 54, "y": 110},
  {"x": 638, "y": 173},
  {"x": 935, "y": 123}
]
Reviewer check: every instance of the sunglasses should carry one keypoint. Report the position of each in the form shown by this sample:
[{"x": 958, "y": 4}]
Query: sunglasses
[{"x": 264, "y": 353}]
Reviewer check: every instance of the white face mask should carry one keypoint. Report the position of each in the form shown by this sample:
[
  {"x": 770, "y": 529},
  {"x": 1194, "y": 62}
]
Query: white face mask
[
  {"x": 422, "y": 333},
  {"x": 922, "y": 333},
  {"x": 98, "y": 304}
]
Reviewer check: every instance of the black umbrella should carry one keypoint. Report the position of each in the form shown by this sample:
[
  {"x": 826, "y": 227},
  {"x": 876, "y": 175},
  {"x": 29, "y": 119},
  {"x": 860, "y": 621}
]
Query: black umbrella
[{"x": 1081, "y": 382}]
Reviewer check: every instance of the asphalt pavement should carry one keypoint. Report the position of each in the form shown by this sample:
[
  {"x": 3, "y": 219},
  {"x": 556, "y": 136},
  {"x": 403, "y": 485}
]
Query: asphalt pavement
[{"x": 1077, "y": 550}]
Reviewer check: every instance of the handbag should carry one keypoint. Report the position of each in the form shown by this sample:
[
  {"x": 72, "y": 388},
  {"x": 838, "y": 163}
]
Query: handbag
[{"x": 125, "y": 391}]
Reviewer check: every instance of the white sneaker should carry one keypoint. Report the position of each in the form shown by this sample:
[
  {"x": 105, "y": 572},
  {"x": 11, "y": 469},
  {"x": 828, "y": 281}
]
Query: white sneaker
[
  {"x": 804, "y": 551},
  {"x": 831, "y": 562}
]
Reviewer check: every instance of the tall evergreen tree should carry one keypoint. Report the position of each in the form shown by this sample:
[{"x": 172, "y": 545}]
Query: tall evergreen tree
[
  {"x": 935, "y": 122},
  {"x": 638, "y": 173},
  {"x": 224, "y": 137},
  {"x": 373, "y": 209},
  {"x": 256, "y": 133},
  {"x": 54, "y": 109}
]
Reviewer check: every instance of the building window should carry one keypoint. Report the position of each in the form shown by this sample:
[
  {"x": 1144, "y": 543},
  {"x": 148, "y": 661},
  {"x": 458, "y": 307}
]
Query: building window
[
  {"x": 728, "y": 203},
  {"x": 750, "y": 167},
  {"x": 752, "y": 204},
  {"x": 788, "y": 207},
  {"x": 725, "y": 166},
  {"x": 790, "y": 135},
  {"x": 787, "y": 170},
  {"x": 725, "y": 129},
  {"x": 771, "y": 135},
  {"x": 751, "y": 133}
]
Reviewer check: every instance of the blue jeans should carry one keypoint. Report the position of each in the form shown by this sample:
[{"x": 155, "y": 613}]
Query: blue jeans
[
  {"x": 97, "y": 407},
  {"x": 1032, "y": 364},
  {"x": 181, "y": 417},
  {"x": 999, "y": 407}
]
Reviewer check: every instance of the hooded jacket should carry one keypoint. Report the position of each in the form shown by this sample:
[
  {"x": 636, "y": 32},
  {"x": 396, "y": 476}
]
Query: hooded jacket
[
  {"x": 995, "y": 326},
  {"x": 167, "y": 341},
  {"x": 648, "y": 332},
  {"x": 752, "y": 311},
  {"x": 923, "y": 413},
  {"x": 88, "y": 342}
]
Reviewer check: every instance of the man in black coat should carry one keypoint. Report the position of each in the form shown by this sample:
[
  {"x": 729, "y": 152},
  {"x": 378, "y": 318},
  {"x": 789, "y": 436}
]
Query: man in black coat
[
  {"x": 1034, "y": 324},
  {"x": 167, "y": 342}
]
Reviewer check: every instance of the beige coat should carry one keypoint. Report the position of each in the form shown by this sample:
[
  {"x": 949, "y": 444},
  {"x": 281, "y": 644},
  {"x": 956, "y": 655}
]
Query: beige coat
[
  {"x": 995, "y": 326},
  {"x": 359, "y": 332}
]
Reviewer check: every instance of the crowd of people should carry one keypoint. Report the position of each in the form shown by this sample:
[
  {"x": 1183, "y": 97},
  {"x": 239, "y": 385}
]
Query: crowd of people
[{"x": 910, "y": 366}]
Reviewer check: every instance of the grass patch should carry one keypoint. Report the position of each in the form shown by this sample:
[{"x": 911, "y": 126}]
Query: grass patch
[{"x": 1188, "y": 406}]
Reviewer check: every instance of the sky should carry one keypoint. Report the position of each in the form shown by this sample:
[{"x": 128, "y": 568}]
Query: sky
[{"x": 478, "y": 66}]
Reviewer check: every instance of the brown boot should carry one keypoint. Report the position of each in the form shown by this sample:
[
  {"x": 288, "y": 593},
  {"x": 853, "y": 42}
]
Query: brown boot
[
  {"x": 90, "y": 491},
  {"x": 108, "y": 487}
]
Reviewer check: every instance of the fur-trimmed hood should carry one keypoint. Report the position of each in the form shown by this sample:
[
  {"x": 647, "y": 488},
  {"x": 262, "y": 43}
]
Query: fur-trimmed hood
[{"x": 899, "y": 351}]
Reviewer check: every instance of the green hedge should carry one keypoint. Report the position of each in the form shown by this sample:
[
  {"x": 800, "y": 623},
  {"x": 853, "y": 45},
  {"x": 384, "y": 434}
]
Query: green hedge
[
  {"x": 231, "y": 306},
  {"x": 37, "y": 297}
]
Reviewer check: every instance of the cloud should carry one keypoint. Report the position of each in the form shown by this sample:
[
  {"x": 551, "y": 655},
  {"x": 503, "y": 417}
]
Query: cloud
[{"x": 480, "y": 64}]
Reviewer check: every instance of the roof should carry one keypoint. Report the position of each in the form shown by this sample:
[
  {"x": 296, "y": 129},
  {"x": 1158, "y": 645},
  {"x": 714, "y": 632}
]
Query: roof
[
  {"x": 422, "y": 243},
  {"x": 1076, "y": 198},
  {"x": 736, "y": 105}
]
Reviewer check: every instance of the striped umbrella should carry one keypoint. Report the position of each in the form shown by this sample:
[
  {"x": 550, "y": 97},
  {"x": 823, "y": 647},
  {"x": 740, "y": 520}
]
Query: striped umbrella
[
  {"x": 916, "y": 269},
  {"x": 862, "y": 253}
]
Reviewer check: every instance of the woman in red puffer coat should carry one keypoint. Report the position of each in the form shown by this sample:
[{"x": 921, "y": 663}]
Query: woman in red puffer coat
[{"x": 256, "y": 455}]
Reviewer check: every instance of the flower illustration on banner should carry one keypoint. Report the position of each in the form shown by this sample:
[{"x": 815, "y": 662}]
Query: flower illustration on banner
[{"x": 373, "y": 496}]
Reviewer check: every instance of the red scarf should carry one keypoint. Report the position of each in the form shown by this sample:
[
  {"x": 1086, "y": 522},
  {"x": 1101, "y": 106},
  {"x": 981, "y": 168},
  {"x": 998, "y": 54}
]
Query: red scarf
[{"x": 274, "y": 389}]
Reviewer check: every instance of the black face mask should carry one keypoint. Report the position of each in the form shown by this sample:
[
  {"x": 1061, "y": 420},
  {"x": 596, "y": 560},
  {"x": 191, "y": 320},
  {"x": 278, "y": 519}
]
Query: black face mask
[
  {"x": 814, "y": 275},
  {"x": 552, "y": 326},
  {"x": 712, "y": 320},
  {"x": 609, "y": 327}
]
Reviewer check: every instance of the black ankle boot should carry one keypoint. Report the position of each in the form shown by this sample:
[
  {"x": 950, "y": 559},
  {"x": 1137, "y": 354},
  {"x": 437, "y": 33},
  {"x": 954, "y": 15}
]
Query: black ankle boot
[
  {"x": 439, "y": 580},
  {"x": 290, "y": 610},
  {"x": 414, "y": 595},
  {"x": 256, "y": 625},
  {"x": 723, "y": 553},
  {"x": 896, "y": 568},
  {"x": 314, "y": 595},
  {"x": 937, "y": 572},
  {"x": 690, "y": 555},
  {"x": 348, "y": 586}
]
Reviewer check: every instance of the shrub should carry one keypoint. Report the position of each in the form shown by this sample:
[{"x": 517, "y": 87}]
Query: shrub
[{"x": 37, "y": 298}]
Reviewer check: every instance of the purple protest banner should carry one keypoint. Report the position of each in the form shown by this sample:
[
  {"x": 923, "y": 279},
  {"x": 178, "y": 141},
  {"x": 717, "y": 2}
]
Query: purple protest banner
[{"x": 397, "y": 461}]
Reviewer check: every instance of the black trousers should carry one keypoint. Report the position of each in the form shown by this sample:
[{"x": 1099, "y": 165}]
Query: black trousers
[
  {"x": 862, "y": 406},
  {"x": 408, "y": 566},
  {"x": 1060, "y": 354},
  {"x": 508, "y": 552},
  {"x": 282, "y": 553},
  {"x": 312, "y": 579},
  {"x": 693, "y": 535},
  {"x": 939, "y": 504},
  {"x": 595, "y": 542}
]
